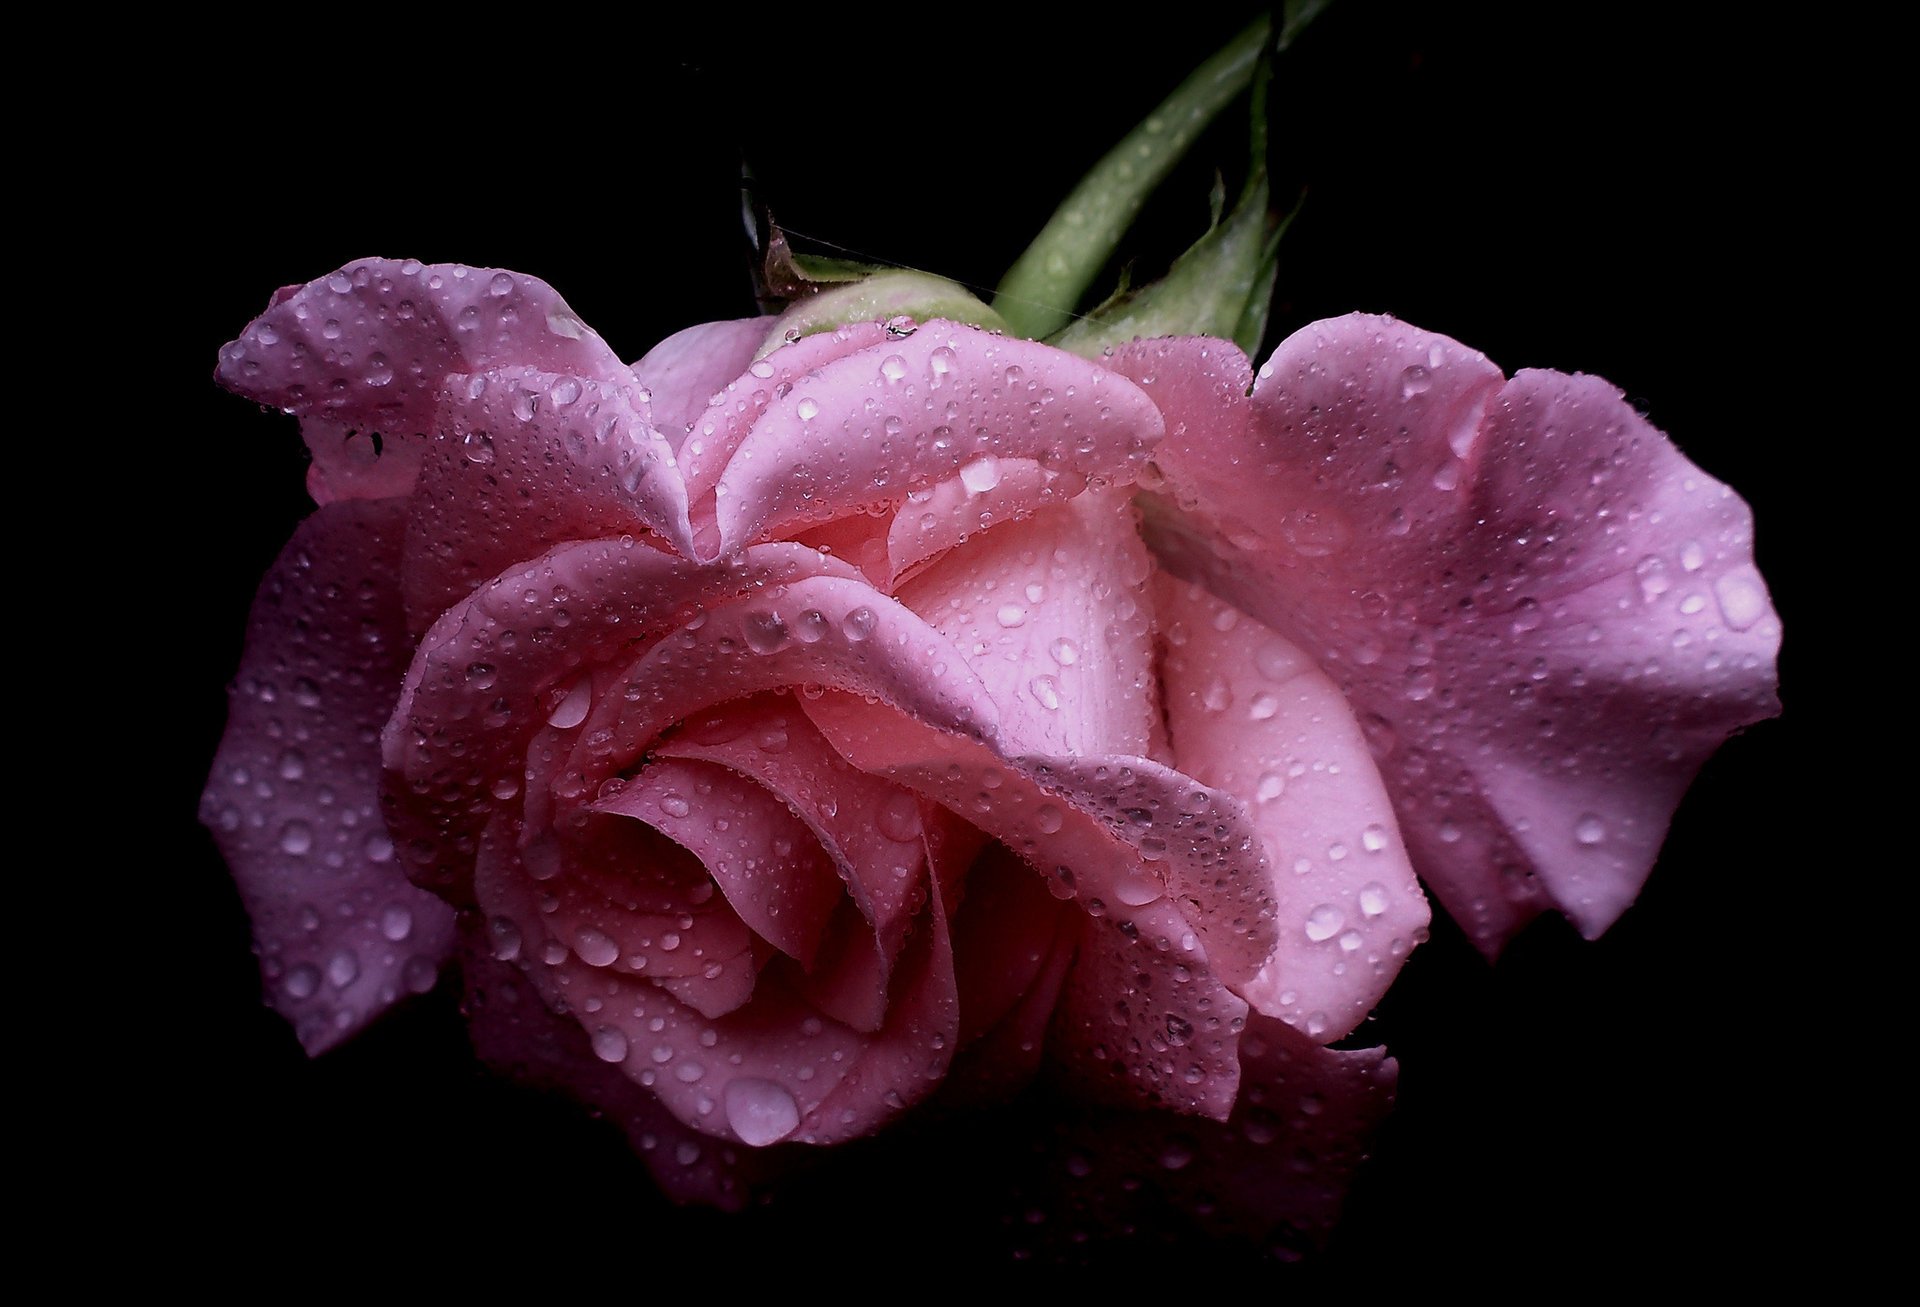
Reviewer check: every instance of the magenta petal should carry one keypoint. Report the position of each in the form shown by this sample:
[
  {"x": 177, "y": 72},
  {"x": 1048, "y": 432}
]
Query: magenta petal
[
  {"x": 687, "y": 369},
  {"x": 528, "y": 460},
  {"x": 764, "y": 859},
  {"x": 1250, "y": 713},
  {"x": 367, "y": 350},
  {"x": 293, "y": 800},
  {"x": 1546, "y": 617},
  {"x": 868, "y": 428}
]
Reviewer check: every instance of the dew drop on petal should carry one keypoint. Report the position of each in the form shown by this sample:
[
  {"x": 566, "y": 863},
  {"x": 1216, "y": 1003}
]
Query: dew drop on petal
[
  {"x": 1324, "y": 922},
  {"x": 595, "y": 948},
  {"x": 609, "y": 1044},
  {"x": 760, "y": 1111},
  {"x": 1589, "y": 829},
  {"x": 899, "y": 818}
]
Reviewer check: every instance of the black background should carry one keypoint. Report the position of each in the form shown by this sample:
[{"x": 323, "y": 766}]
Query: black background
[{"x": 1589, "y": 189}]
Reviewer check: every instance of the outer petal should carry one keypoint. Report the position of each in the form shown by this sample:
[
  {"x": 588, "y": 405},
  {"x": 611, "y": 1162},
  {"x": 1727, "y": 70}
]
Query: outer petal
[
  {"x": 293, "y": 798},
  {"x": 367, "y": 350},
  {"x": 687, "y": 369},
  {"x": 528, "y": 460},
  {"x": 1250, "y": 713},
  {"x": 866, "y": 429},
  {"x": 1546, "y": 616}
]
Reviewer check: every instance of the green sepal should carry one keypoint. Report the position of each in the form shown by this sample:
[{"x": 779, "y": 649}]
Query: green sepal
[{"x": 893, "y": 293}]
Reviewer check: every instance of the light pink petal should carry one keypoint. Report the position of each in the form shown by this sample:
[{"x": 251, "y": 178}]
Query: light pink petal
[
  {"x": 517, "y": 652},
  {"x": 1546, "y": 617},
  {"x": 1112, "y": 830},
  {"x": 822, "y": 631},
  {"x": 870, "y": 829},
  {"x": 764, "y": 859},
  {"x": 769, "y": 1071},
  {"x": 690, "y": 367},
  {"x": 1143, "y": 1020},
  {"x": 867, "y": 429},
  {"x": 731, "y": 413},
  {"x": 367, "y": 350},
  {"x": 526, "y": 460},
  {"x": 1249, "y": 712},
  {"x": 293, "y": 800},
  {"x": 849, "y": 982},
  {"x": 1052, "y": 614},
  {"x": 991, "y": 491},
  {"x": 859, "y": 540}
]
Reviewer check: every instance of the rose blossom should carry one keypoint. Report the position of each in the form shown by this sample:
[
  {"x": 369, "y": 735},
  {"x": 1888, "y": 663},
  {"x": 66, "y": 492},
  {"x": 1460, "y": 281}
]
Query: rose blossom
[{"x": 856, "y": 732}]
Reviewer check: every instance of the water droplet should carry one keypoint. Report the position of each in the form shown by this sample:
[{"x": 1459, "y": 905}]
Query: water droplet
[
  {"x": 1046, "y": 690},
  {"x": 343, "y": 968},
  {"x": 1373, "y": 899},
  {"x": 595, "y": 948},
  {"x": 1065, "y": 652},
  {"x": 1324, "y": 922},
  {"x": 765, "y": 632},
  {"x": 1416, "y": 380},
  {"x": 503, "y": 936},
  {"x": 481, "y": 676},
  {"x": 1136, "y": 890},
  {"x": 1270, "y": 787},
  {"x": 981, "y": 475},
  {"x": 807, "y": 409},
  {"x": 609, "y": 1044},
  {"x": 858, "y": 624},
  {"x": 941, "y": 361},
  {"x": 1693, "y": 556},
  {"x": 899, "y": 818},
  {"x": 1590, "y": 829},
  {"x": 1011, "y": 615},
  {"x": 1373, "y": 838},
  {"x": 1742, "y": 599},
  {"x": 893, "y": 368},
  {"x": 396, "y": 922},
  {"x": 573, "y": 706},
  {"x": 811, "y": 626},
  {"x": 377, "y": 846},
  {"x": 502, "y": 284},
  {"x": 302, "y": 981},
  {"x": 1048, "y": 818},
  {"x": 1276, "y": 660},
  {"x": 296, "y": 837},
  {"x": 760, "y": 1111},
  {"x": 563, "y": 392},
  {"x": 674, "y": 805},
  {"x": 1263, "y": 706}
]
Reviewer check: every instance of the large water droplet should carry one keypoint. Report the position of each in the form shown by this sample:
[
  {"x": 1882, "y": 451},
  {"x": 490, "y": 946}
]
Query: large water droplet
[
  {"x": 1324, "y": 922},
  {"x": 609, "y": 1044},
  {"x": 899, "y": 818},
  {"x": 1590, "y": 829},
  {"x": 595, "y": 948},
  {"x": 981, "y": 475},
  {"x": 858, "y": 624},
  {"x": 296, "y": 837},
  {"x": 760, "y": 1111},
  {"x": 1373, "y": 899}
]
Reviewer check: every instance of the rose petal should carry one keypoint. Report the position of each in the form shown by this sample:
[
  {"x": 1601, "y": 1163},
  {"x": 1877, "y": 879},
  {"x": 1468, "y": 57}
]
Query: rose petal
[
  {"x": 764, "y": 859},
  {"x": 1250, "y": 713},
  {"x": 687, "y": 369},
  {"x": 1545, "y": 615},
  {"x": 771, "y": 1070},
  {"x": 367, "y": 350},
  {"x": 1052, "y": 615},
  {"x": 515, "y": 1033},
  {"x": 990, "y": 491},
  {"x": 496, "y": 666},
  {"x": 1144, "y": 1021},
  {"x": 871, "y": 830},
  {"x": 869, "y": 428},
  {"x": 1108, "y": 829},
  {"x": 526, "y": 460},
  {"x": 293, "y": 800},
  {"x": 731, "y": 413},
  {"x": 825, "y": 630}
]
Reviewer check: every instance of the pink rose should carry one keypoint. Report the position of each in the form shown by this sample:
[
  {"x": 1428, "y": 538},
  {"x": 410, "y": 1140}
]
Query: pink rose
[{"x": 861, "y": 734}]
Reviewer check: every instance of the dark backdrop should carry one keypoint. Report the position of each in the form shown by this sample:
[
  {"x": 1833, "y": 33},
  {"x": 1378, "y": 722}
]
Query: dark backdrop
[{"x": 1582, "y": 190}]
